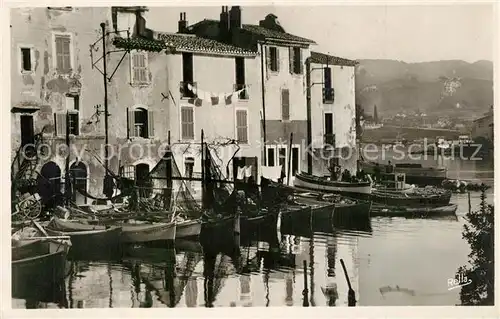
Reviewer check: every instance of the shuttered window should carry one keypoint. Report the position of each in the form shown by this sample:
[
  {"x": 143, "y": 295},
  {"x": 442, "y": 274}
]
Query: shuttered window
[
  {"x": 295, "y": 60},
  {"x": 139, "y": 68},
  {"x": 285, "y": 104},
  {"x": 63, "y": 53},
  {"x": 242, "y": 126},
  {"x": 187, "y": 123},
  {"x": 140, "y": 123},
  {"x": 273, "y": 59}
]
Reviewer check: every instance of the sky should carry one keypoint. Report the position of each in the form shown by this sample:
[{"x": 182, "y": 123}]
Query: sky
[{"x": 410, "y": 33}]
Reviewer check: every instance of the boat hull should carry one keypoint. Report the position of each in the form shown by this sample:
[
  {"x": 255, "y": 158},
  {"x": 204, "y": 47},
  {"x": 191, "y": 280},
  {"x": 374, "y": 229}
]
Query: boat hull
[
  {"x": 39, "y": 265},
  {"x": 148, "y": 233},
  {"x": 188, "y": 229},
  {"x": 418, "y": 201},
  {"x": 304, "y": 181},
  {"x": 394, "y": 211},
  {"x": 223, "y": 231},
  {"x": 92, "y": 244},
  {"x": 263, "y": 223}
]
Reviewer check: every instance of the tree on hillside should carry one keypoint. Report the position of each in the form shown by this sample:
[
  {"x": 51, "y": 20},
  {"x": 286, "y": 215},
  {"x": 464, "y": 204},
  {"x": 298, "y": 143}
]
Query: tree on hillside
[
  {"x": 375, "y": 115},
  {"x": 479, "y": 233}
]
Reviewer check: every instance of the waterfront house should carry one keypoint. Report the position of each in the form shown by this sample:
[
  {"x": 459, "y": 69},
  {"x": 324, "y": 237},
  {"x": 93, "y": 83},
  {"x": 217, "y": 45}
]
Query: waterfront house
[
  {"x": 282, "y": 77},
  {"x": 196, "y": 84},
  {"x": 333, "y": 112},
  {"x": 51, "y": 77}
]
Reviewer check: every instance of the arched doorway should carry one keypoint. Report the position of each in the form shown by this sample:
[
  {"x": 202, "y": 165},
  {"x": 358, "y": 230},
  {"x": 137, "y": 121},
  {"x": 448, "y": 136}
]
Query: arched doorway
[
  {"x": 78, "y": 173},
  {"x": 143, "y": 180},
  {"x": 49, "y": 184}
]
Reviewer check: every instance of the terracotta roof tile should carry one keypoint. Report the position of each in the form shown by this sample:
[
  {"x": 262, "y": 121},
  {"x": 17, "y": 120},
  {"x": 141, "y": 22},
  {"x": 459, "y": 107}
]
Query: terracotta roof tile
[
  {"x": 275, "y": 35},
  {"x": 191, "y": 43},
  {"x": 139, "y": 44},
  {"x": 321, "y": 58}
]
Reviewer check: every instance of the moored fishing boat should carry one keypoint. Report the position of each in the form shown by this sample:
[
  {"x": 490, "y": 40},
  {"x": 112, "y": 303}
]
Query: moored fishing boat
[
  {"x": 395, "y": 211},
  {"x": 320, "y": 184},
  {"x": 189, "y": 228},
  {"x": 87, "y": 239},
  {"x": 37, "y": 263},
  {"x": 419, "y": 197},
  {"x": 415, "y": 173},
  {"x": 143, "y": 233}
]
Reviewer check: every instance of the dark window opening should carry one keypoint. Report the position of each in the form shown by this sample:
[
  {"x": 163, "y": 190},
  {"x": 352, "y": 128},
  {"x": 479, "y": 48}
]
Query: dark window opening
[
  {"x": 141, "y": 123},
  {"x": 270, "y": 157},
  {"x": 240, "y": 78},
  {"x": 327, "y": 86},
  {"x": 73, "y": 121},
  {"x": 143, "y": 180},
  {"x": 297, "y": 61},
  {"x": 187, "y": 75},
  {"x": 27, "y": 130},
  {"x": 273, "y": 58},
  {"x": 329, "y": 136},
  {"x": 189, "y": 167},
  {"x": 295, "y": 160},
  {"x": 26, "y": 59}
]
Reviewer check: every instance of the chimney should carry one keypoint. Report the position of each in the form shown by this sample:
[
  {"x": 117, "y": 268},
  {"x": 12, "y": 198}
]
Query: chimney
[
  {"x": 235, "y": 18},
  {"x": 182, "y": 23},
  {"x": 140, "y": 24},
  {"x": 224, "y": 24}
]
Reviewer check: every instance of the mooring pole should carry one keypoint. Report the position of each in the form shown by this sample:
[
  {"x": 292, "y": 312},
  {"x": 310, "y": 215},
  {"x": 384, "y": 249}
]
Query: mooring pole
[
  {"x": 289, "y": 159},
  {"x": 308, "y": 107},
  {"x": 106, "y": 160},
  {"x": 351, "y": 295},
  {"x": 305, "y": 302},
  {"x": 67, "y": 187}
]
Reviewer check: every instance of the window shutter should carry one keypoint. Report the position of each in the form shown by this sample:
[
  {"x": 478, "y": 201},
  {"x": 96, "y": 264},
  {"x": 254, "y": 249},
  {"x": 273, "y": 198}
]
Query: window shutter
[
  {"x": 290, "y": 59},
  {"x": 241, "y": 126},
  {"x": 61, "y": 124},
  {"x": 278, "y": 61},
  {"x": 285, "y": 104},
  {"x": 131, "y": 123},
  {"x": 151, "y": 127},
  {"x": 268, "y": 61}
]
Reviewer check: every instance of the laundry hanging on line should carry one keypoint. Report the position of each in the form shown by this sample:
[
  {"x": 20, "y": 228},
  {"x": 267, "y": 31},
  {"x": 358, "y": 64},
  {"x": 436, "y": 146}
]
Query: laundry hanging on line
[{"x": 212, "y": 98}]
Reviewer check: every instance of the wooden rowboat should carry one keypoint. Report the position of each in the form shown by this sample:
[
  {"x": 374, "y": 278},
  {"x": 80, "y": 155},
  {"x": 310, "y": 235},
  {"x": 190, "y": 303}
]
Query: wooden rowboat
[
  {"x": 39, "y": 264},
  {"x": 418, "y": 198},
  {"x": 87, "y": 240},
  {"x": 142, "y": 233},
  {"x": 190, "y": 228},
  {"x": 380, "y": 210}
]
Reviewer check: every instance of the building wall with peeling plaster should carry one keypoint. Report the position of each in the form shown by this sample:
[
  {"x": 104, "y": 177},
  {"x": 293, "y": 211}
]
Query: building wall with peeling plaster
[
  {"x": 46, "y": 88},
  {"x": 344, "y": 113}
]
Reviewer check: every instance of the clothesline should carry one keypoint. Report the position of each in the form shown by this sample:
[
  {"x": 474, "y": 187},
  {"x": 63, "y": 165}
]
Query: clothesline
[{"x": 211, "y": 97}]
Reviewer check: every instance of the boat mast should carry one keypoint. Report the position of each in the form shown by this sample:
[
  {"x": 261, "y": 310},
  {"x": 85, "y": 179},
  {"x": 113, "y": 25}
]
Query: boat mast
[
  {"x": 203, "y": 182},
  {"x": 67, "y": 188}
]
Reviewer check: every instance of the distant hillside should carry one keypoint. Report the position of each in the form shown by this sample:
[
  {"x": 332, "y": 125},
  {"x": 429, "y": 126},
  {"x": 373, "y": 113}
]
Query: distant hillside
[{"x": 445, "y": 87}]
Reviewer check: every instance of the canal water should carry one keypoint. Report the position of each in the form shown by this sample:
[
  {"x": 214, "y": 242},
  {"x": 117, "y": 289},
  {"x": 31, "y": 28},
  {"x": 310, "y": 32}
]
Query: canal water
[{"x": 391, "y": 261}]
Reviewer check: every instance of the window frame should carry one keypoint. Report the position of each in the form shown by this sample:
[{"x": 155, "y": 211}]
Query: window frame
[
  {"x": 21, "y": 60},
  {"x": 181, "y": 123},
  {"x": 69, "y": 35},
  {"x": 281, "y": 104},
  {"x": 241, "y": 109},
  {"x": 133, "y": 80},
  {"x": 276, "y": 59}
]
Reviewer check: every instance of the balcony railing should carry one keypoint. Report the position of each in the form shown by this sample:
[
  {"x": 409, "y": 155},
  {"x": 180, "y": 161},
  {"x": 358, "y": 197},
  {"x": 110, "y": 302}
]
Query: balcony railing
[
  {"x": 329, "y": 139},
  {"x": 185, "y": 90},
  {"x": 243, "y": 95},
  {"x": 328, "y": 95}
]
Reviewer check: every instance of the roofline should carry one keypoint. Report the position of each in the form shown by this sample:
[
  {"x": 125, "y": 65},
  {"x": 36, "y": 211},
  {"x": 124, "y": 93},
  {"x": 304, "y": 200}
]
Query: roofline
[{"x": 204, "y": 52}]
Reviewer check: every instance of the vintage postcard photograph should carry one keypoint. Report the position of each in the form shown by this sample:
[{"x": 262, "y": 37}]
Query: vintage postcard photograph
[{"x": 250, "y": 155}]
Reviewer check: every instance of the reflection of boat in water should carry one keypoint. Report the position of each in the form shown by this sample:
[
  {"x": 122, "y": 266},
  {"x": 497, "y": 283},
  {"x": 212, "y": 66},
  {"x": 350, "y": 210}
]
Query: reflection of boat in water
[{"x": 38, "y": 270}]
